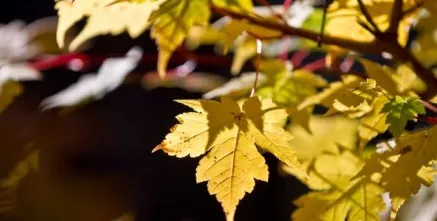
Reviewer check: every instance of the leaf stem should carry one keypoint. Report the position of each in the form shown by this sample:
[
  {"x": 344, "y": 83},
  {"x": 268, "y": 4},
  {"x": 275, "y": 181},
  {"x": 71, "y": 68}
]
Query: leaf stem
[
  {"x": 257, "y": 66},
  {"x": 322, "y": 27}
]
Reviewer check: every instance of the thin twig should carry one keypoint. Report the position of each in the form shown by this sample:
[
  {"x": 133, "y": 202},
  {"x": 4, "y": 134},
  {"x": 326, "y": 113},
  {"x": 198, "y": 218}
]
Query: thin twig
[
  {"x": 322, "y": 28},
  {"x": 430, "y": 106},
  {"x": 257, "y": 66},
  {"x": 269, "y": 6},
  {"x": 368, "y": 17}
]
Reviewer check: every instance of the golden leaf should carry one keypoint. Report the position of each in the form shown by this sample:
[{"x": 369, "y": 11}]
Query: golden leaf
[
  {"x": 403, "y": 169},
  {"x": 228, "y": 132},
  {"x": 341, "y": 198},
  {"x": 374, "y": 122}
]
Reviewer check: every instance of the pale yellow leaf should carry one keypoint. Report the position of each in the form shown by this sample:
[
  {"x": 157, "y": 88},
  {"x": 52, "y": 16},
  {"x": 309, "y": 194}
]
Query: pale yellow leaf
[{"x": 334, "y": 133}]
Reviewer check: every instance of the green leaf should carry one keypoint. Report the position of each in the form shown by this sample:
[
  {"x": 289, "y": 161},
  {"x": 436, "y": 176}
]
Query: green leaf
[{"x": 400, "y": 111}]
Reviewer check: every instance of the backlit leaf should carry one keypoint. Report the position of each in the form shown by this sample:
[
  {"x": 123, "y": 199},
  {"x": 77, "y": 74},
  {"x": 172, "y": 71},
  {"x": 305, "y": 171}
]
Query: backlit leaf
[
  {"x": 227, "y": 133},
  {"x": 403, "y": 169},
  {"x": 374, "y": 122},
  {"x": 400, "y": 111},
  {"x": 341, "y": 199},
  {"x": 104, "y": 17}
]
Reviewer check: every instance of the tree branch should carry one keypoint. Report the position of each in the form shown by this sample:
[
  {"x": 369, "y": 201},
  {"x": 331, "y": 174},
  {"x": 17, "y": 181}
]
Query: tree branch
[
  {"x": 396, "y": 16},
  {"x": 383, "y": 42},
  {"x": 369, "y": 18}
]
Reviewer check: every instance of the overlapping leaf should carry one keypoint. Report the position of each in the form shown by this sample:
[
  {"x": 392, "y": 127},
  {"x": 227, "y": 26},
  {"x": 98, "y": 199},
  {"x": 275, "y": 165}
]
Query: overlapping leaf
[
  {"x": 330, "y": 167},
  {"x": 227, "y": 133},
  {"x": 403, "y": 169},
  {"x": 400, "y": 111},
  {"x": 335, "y": 133},
  {"x": 374, "y": 122},
  {"x": 334, "y": 91},
  {"x": 279, "y": 82},
  {"x": 342, "y": 199},
  {"x": 171, "y": 20}
]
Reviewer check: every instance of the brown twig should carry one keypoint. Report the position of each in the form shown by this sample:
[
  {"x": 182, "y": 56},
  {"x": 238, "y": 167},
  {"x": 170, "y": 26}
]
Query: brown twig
[
  {"x": 322, "y": 28},
  {"x": 368, "y": 17}
]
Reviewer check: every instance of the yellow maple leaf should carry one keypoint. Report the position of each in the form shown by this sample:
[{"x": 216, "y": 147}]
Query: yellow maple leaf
[
  {"x": 404, "y": 168},
  {"x": 341, "y": 198},
  {"x": 104, "y": 17},
  {"x": 330, "y": 94},
  {"x": 170, "y": 20},
  {"x": 385, "y": 76},
  {"x": 374, "y": 122},
  {"x": 357, "y": 101},
  {"x": 8, "y": 92},
  {"x": 228, "y": 132},
  {"x": 335, "y": 133},
  {"x": 172, "y": 26}
]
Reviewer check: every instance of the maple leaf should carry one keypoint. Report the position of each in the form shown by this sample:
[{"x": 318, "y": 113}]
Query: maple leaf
[
  {"x": 335, "y": 133},
  {"x": 341, "y": 199},
  {"x": 170, "y": 20},
  {"x": 172, "y": 26},
  {"x": 227, "y": 133},
  {"x": 104, "y": 17},
  {"x": 385, "y": 76},
  {"x": 404, "y": 168},
  {"x": 374, "y": 122},
  {"x": 334, "y": 91},
  {"x": 400, "y": 111},
  {"x": 357, "y": 102}
]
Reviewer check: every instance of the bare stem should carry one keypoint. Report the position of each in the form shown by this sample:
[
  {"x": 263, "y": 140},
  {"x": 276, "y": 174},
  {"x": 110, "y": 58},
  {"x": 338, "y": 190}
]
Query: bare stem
[
  {"x": 257, "y": 66},
  {"x": 368, "y": 16},
  {"x": 322, "y": 28}
]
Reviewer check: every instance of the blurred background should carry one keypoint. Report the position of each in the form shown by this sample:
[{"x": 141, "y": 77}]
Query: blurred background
[{"x": 96, "y": 162}]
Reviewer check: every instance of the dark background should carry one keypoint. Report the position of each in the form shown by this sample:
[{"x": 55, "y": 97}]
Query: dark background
[{"x": 102, "y": 152}]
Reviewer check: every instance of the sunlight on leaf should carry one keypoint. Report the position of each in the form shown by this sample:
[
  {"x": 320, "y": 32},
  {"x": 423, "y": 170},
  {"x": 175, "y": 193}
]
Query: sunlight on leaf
[
  {"x": 400, "y": 111},
  {"x": 341, "y": 198},
  {"x": 374, "y": 122},
  {"x": 404, "y": 168},
  {"x": 227, "y": 133}
]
